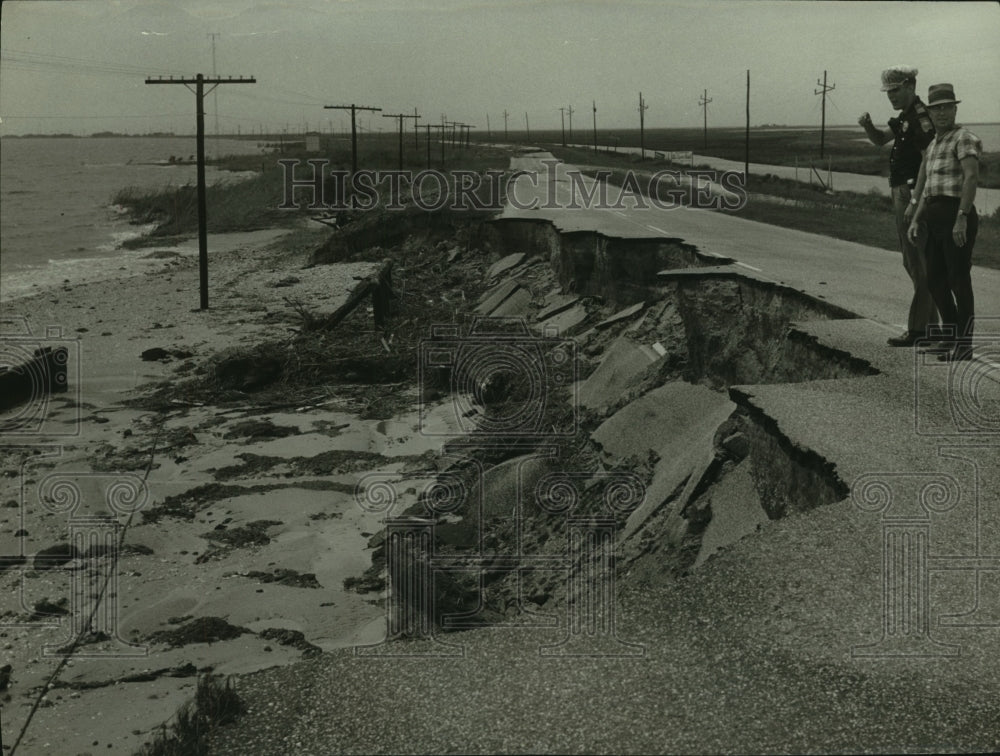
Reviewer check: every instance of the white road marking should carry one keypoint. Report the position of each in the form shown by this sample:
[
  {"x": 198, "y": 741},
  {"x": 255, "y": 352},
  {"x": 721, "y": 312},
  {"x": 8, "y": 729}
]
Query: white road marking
[
  {"x": 657, "y": 230},
  {"x": 744, "y": 265},
  {"x": 619, "y": 212}
]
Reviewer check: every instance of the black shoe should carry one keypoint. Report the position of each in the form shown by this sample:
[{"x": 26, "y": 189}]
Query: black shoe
[{"x": 904, "y": 340}]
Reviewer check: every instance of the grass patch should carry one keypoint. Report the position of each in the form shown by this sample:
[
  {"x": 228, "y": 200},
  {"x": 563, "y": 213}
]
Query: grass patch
[
  {"x": 214, "y": 705},
  {"x": 254, "y": 203},
  {"x": 247, "y": 205},
  {"x": 844, "y": 149}
]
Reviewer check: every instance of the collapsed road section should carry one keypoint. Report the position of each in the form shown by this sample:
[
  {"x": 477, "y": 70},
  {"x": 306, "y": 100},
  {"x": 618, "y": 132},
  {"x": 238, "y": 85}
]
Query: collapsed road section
[{"x": 659, "y": 335}]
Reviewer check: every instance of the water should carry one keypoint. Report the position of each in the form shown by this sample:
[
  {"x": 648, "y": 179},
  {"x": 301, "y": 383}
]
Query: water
[
  {"x": 989, "y": 133},
  {"x": 57, "y": 220}
]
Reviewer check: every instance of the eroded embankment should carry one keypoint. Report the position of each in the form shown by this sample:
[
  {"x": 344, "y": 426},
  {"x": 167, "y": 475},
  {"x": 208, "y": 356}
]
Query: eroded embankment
[
  {"x": 621, "y": 271},
  {"x": 661, "y": 336}
]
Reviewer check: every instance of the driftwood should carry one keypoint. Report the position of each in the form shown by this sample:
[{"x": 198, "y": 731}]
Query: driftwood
[{"x": 379, "y": 285}]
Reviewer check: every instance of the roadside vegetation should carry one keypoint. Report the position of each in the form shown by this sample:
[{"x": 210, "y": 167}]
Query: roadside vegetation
[
  {"x": 214, "y": 705},
  {"x": 843, "y": 149},
  {"x": 254, "y": 203}
]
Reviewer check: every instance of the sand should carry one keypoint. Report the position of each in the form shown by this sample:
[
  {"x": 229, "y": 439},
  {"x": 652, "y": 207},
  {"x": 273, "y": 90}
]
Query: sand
[{"x": 174, "y": 570}]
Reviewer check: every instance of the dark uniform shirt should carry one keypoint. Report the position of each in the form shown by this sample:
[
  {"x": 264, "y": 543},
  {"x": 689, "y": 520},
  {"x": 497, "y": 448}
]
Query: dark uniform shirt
[{"x": 913, "y": 131}]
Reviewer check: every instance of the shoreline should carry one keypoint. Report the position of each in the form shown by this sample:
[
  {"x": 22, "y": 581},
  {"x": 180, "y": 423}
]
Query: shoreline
[
  {"x": 122, "y": 263},
  {"x": 174, "y": 571}
]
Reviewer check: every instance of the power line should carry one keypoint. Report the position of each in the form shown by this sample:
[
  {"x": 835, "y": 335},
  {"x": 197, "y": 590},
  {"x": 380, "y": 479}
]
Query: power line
[
  {"x": 28, "y": 60},
  {"x": 81, "y": 117}
]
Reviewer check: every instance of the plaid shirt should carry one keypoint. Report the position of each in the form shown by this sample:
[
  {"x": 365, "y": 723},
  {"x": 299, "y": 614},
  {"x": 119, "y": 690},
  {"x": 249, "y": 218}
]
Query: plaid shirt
[{"x": 942, "y": 161}]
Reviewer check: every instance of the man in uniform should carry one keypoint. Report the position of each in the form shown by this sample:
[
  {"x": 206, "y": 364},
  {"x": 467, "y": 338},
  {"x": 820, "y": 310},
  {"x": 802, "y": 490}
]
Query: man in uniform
[{"x": 910, "y": 132}]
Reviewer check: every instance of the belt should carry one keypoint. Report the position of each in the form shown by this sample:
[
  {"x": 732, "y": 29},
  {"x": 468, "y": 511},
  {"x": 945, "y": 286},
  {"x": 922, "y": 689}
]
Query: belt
[{"x": 942, "y": 198}]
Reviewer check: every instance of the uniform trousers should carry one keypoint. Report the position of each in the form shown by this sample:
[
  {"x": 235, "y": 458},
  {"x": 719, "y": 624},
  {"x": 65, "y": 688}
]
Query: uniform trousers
[{"x": 922, "y": 310}]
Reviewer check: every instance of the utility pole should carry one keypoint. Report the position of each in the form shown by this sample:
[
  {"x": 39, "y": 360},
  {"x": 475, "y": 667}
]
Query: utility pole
[
  {"x": 354, "y": 129},
  {"x": 416, "y": 133},
  {"x": 527, "y": 129},
  {"x": 200, "y": 81},
  {"x": 595, "y": 127},
  {"x": 705, "y": 99},
  {"x": 823, "y": 91},
  {"x": 569, "y": 110},
  {"x": 489, "y": 134},
  {"x": 643, "y": 107},
  {"x": 505, "y": 125},
  {"x": 746, "y": 153},
  {"x": 562, "y": 113},
  {"x": 215, "y": 95},
  {"x": 442, "y": 127},
  {"x": 400, "y": 116}
]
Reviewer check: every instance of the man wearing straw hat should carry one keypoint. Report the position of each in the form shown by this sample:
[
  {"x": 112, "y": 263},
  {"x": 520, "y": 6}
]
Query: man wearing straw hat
[
  {"x": 946, "y": 187},
  {"x": 910, "y": 133}
]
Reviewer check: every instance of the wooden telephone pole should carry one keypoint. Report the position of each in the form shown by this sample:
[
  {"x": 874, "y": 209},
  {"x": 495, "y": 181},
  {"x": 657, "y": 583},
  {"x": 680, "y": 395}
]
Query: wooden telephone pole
[
  {"x": 199, "y": 82},
  {"x": 643, "y": 107},
  {"x": 823, "y": 91},
  {"x": 401, "y": 116},
  {"x": 354, "y": 129},
  {"x": 746, "y": 149},
  {"x": 705, "y": 99},
  {"x": 562, "y": 113},
  {"x": 570, "y": 112},
  {"x": 595, "y": 126},
  {"x": 442, "y": 127}
]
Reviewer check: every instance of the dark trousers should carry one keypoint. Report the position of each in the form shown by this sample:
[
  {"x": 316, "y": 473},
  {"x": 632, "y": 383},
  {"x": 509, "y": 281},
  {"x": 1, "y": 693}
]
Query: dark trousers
[
  {"x": 922, "y": 312},
  {"x": 949, "y": 267}
]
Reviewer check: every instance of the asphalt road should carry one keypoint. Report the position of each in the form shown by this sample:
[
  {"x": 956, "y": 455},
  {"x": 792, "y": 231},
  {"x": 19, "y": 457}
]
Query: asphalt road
[{"x": 867, "y": 281}]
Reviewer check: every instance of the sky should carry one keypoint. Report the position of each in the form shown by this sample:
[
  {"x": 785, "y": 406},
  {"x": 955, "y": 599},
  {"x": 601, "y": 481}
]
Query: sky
[{"x": 80, "y": 67}]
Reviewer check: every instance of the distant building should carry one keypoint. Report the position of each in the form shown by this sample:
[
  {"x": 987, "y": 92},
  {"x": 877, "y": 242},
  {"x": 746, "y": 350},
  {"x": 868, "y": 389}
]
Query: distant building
[{"x": 312, "y": 141}]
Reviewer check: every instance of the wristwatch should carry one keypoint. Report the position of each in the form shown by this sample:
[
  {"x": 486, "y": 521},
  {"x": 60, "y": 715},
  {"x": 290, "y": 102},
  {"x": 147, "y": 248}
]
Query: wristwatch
[{"x": 963, "y": 213}]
